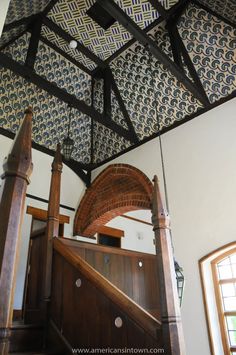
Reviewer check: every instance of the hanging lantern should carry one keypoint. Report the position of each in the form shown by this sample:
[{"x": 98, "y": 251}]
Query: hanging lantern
[
  {"x": 67, "y": 147},
  {"x": 180, "y": 281},
  {"x": 68, "y": 143}
]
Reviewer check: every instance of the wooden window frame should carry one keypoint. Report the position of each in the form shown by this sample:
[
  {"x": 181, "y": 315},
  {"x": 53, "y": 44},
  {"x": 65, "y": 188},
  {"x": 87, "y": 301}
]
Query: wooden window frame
[{"x": 221, "y": 312}]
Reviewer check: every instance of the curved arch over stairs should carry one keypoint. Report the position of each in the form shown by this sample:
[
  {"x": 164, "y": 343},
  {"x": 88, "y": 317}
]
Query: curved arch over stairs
[{"x": 117, "y": 189}]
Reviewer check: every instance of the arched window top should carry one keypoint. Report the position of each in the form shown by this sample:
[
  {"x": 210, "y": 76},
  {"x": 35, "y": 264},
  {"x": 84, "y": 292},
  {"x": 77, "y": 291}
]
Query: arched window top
[
  {"x": 218, "y": 274},
  {"x": 224, "y": 277},
  {"x": 226, "y": 265}
]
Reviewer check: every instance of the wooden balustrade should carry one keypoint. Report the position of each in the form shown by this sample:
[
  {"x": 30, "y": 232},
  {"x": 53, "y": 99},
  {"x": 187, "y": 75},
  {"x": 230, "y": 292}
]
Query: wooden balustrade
[
  {"x": 132, "y": 272},
  {"x": 85, "y": 306}
]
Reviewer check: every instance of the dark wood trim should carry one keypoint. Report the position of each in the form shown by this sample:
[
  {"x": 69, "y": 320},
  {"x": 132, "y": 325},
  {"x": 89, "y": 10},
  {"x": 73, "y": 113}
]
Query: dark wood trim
[
  {"x": 61, "y": 94},
  {"x": 155, "y": 23},
  {"x": 123, "y": 108},
  {"x": 105, "y": 249},
  {"x": 179, "y": 47},
  {"x": 116, "y": 12},
  {"x": 151, "y": 325},
  {"x": 33, "y": 197},
  {"x": 12, "y": 40},
  {"x": 49, "y": 7},
  {"x": 113, "y": 232},
  {"x": 41, "y": 215},
  {"x": 36, "y": 233},
  {"x": 65, "y": 55},
  {"x": 136, "y": 220},
  {"x": 67, "y": 37},
  {"x": 33, "y": 43},
  {"x": 159, "y": 7},
  {"x": 61, "y": 341},
  {"x": 23, "y": 21},
  {"x": 17, "y": 315}
]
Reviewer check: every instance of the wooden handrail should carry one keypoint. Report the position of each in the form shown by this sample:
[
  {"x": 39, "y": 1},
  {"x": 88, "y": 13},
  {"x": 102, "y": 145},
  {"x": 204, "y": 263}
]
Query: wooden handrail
[
  {"x": 105, "y": 249},
  {"x": 150, "y": 324}
]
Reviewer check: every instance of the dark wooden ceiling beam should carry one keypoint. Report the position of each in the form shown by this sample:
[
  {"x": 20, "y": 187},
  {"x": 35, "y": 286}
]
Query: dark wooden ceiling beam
[
  {"x": 33, "y": 44},
  {"x": 65, "y": 55},
  {"x": 159, "y": 7},
  {"x": 107, "y": 93},
  {"x": 61, "y": 94},
  {"x": 12, "y": 40},
  {"x": 23, "y": 21},
  {"x": 114, "y": 10},
  {"x": 49, "y": 7},
  {"x": 67, "y": 37},
  {"x": 174, "y": 47},
  {"x": 123, "y": 108},
  {"x": 179, "y": 45}
]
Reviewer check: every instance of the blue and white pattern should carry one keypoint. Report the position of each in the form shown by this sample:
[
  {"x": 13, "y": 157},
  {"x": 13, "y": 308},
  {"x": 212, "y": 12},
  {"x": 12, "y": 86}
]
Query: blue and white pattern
[
  {"x": 212, "y": 47},
  {"x": 153, "y": 97}
]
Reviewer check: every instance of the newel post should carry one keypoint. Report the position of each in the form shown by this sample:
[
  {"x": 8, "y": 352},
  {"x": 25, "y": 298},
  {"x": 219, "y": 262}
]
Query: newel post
[
  {"x": 17, "y": 168},
  {"x": 170, "y": 309},
  {"x": 52, "y": 221}
]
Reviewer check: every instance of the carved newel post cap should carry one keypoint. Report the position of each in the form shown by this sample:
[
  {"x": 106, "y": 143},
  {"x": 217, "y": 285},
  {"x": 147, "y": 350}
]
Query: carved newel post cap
[
  {"x": 57, "y": 161},
  {"x": 29, "y": 110},
  {"x": 19, "y": 160},
  {"x": 160, "y": 217}
]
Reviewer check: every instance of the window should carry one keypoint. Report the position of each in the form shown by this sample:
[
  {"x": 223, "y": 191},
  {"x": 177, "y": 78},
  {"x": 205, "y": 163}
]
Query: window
[{"x": 224, "y": 279}]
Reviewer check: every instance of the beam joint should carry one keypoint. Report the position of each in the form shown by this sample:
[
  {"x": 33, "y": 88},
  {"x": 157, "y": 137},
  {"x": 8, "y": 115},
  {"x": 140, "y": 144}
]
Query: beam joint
[
  {"x": 61, "y": 94},
  {"x": 146, "y": 41}
]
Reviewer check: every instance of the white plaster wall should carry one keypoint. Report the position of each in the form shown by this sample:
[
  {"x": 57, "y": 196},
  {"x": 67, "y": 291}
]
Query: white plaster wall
[
  {"x": 72, "y": 189},
  {"x": 200, "y": 160},
  {"x": 137, "y": 236}
]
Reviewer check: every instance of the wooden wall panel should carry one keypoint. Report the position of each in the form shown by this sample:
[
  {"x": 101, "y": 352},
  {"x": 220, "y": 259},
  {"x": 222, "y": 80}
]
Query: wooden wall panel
[
  {"x": 121, "y": 267},
  {"x": 88, "y": 315},
  {"x": 57, "y": 289}
]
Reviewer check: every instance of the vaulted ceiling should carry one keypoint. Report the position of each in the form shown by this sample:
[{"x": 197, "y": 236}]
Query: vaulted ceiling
[{"x": 160, "y": 64}]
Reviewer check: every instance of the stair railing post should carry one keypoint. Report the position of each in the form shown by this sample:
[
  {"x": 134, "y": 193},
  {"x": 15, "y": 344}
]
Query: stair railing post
[
  {"x": 170, "y": 310},
  {"x": 52, "y": 225},
  {"x": 17, "y": 169}
]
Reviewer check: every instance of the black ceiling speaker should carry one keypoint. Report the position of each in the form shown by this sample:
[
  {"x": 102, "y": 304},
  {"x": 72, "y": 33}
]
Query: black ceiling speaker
[{"x": 100, "y": 16}]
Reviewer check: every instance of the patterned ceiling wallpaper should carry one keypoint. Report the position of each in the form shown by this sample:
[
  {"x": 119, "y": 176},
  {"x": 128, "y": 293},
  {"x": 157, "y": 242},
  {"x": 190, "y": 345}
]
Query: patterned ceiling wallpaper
[
  {"x": 10, "y": 35},
  {"x": 212, "y": 47},
  {"x": 62, "y": 44},
  {"x": 72, "y": 17},
  {"x": 51, "y": 116},
  {"x": 147, "y": 88},
  {"x": 106, "y": 143},
  {"x": 19, "y": 9},
  {"x": 226, "y": 8},
  {"x": 152, "y": 96}
]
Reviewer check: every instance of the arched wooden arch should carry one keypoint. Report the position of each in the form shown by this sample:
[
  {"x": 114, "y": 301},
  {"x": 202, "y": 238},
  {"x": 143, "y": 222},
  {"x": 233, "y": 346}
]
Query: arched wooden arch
[{"x": 118, "y": 189}]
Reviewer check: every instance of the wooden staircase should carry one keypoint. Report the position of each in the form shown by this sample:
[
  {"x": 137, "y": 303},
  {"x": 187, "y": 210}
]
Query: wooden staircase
[{"x": 91, "y": 312}]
